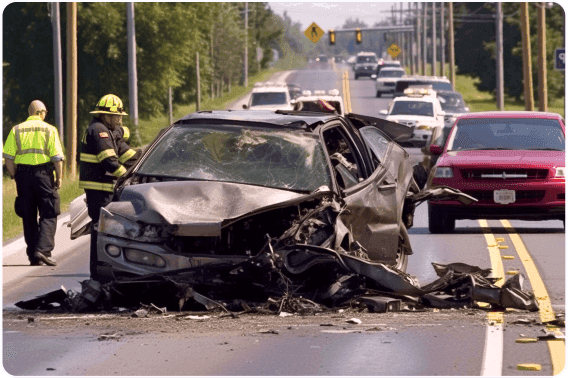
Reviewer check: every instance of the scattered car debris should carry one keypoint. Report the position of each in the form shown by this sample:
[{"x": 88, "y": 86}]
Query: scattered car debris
[
  {"x": 354, "y": 321},
  {"x": 140, "y": 314},
  {"x": 109, "y": 337},
  {"x": 271, "y": 331},
  {"x": 197, "y": 317},
  {"x": 551, "y": 335}
]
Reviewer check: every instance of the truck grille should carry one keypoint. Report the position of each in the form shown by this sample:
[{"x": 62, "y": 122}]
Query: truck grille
[{"x": 504, "y": 174}]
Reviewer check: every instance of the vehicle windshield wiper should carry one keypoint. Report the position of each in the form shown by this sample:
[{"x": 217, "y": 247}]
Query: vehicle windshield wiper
[
  {"x": 545, "y": 149},
  {"x": 484, "y": 148}
]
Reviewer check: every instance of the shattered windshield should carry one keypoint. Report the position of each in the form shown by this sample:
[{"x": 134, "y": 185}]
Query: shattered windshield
[
  {"x": 268, "y": 98},
  {"x": 413, "y": 108},
  {"x": 507, "y": 134},
  {"x": 280, "y": 159}
]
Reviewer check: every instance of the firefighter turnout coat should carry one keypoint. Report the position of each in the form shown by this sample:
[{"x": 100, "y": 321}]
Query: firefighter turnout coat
[{"x": 102, "y": 157}]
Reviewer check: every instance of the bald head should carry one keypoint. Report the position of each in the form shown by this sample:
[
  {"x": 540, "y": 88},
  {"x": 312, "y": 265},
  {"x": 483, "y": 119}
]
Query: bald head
[{"x": 37, "y": 108}]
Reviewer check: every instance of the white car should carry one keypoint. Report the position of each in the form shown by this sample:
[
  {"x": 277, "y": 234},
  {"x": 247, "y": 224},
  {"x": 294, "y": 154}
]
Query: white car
[
  {"x": 386, "y": 82},
  {"x": 319, "y": 101},
  {"x": 418, "y": 109},
  {"x": 270, "y": 96}
]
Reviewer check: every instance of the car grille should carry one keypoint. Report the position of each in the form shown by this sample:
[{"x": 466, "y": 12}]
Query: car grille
[
  {"x": 521, "y": 196},
  {"x": 389, "y": 84},
  {"x": 504, "y": 174}
]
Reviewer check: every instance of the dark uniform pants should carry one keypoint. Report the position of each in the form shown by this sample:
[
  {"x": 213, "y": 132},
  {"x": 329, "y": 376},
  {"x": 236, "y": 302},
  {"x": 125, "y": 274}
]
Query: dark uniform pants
[
  {"x": 95, "y": 200},
  {"x": 35, "y": 185}
]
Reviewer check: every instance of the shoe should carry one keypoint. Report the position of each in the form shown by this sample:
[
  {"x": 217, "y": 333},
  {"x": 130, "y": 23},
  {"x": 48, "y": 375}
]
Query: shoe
[
  {"x": 45, "y": 259},
  {"x": 36, "y": 263}
]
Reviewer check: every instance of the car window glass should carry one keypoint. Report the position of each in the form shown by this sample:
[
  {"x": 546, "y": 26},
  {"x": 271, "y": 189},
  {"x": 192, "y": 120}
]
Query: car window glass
[
  {"x": 384, "y": 73},
  {"x": 366, "y": 59},
  {"x": 412, "y": 108},
  {"x": 377, "y": 142},
  {"x": 451, "y": 102},
  {"x": 266, "y": 157},
  {"x": 441, "y": 85},
  {"x": 507, "y": 133},
  {"x": 342, "y": 158},
  {"x": 268, "y": 98}
]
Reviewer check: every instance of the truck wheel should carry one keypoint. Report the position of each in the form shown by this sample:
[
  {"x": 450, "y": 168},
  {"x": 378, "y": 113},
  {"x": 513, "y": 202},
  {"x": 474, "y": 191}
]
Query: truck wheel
[
  {"x": 438, "y": 222},
  {"x": 356, "y": 77},
  {"x": 378, "y": 94}
]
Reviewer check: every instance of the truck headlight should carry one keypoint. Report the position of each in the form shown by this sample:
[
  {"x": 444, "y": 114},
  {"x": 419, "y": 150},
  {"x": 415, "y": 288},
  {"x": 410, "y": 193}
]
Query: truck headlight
[{"x": 444, "y": 172}]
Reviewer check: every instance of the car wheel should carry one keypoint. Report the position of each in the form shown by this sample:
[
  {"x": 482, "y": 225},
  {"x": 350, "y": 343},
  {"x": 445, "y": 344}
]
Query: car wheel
[
  {"x": 378, "y": 94},
  {"x": 356, "y": 77},
  {"x": 438, "y": 222}
]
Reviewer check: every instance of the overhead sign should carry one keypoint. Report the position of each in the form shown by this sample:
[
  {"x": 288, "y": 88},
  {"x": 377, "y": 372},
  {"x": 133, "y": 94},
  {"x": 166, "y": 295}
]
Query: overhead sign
[
  {"x": 314, "y": 32},
  {"x": 393, "y": 50},
  {"x": 560, "y": 59}
]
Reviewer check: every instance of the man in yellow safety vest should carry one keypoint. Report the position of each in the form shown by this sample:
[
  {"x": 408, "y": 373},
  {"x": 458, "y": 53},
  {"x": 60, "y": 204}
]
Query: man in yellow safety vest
[{"x": 32, "y": 154}]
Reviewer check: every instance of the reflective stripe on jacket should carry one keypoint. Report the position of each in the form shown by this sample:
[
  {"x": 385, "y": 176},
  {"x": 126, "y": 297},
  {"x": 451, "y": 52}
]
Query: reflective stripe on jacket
[
  {"x": 33, "y": 142},
  {"x": 99, "y": 166}
]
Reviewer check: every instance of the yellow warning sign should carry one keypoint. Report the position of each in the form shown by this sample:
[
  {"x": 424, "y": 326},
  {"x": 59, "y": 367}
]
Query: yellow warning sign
[
  {"x": 314, "y": 32},
  {"x": 393, "y": 50}
]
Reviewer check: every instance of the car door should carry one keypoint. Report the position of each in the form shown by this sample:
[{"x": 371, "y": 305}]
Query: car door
[{"x": 370, "y": 212}]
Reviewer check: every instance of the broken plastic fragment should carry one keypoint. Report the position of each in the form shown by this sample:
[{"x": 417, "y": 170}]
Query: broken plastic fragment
[{"x": 354, "y": 321}]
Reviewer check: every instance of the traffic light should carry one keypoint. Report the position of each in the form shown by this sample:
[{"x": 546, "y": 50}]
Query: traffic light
[
  {"x": 331, "y": 37},
  {"x": 358, "y": 36}
]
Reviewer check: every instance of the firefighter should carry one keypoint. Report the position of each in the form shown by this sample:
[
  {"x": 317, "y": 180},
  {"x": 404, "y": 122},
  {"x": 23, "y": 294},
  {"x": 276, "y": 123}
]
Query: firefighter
[
  {"x": 33, "y": 153},
  {"x": 103, "y": 155}
]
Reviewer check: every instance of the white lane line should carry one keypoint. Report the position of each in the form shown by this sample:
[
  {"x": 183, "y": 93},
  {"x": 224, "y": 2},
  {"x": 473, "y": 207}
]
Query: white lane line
[
  {"x": 493, "y": 351},
  {"x": 20, "y": 244}
]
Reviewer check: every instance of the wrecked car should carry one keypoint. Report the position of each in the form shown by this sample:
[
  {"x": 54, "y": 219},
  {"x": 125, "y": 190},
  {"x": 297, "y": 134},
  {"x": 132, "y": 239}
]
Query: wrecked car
[{"x": 217, "y": 187}]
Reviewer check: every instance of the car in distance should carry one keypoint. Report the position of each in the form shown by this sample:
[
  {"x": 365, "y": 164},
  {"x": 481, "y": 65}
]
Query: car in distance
[
  {"x": 419, "y": 110},
  {"x": 512, "y": 162},
  {"x": 452, "y": 104},
  {"x": 320, "y": 101},
  {"x": 365, "y": 65},
  {"x": 269, "y": 96},
  {"x": 438, "y": 83},
  {"x": 387, "y": 64},
  {"x": 214, "y": 187},
  {"x": 386, "y": 80}
]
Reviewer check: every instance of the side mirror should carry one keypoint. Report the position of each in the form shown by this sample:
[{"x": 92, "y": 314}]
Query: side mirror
[
  {"x": 374, "y": 76},
  {"x": 245, "y": 106},
  {"x": 383, "y": 112},
  {"x": 436, "y": 150}
]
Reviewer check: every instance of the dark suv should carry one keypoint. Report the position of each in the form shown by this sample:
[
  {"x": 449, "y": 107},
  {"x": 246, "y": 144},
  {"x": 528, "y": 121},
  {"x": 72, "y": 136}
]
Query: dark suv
[{"x": 365, "y": 65}]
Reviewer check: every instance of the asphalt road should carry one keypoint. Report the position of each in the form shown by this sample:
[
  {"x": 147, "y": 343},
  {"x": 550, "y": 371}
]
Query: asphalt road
[{"x": 445, "y": 344}]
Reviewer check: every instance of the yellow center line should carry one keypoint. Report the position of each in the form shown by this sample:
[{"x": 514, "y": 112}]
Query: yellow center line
[
  {"x": 346, "y": 94},
  {"x": 556, "y": 347},
  {"x": 494, "y": 254}
]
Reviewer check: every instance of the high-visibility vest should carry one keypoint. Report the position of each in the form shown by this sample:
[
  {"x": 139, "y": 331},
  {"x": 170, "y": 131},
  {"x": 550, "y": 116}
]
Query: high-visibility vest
[{"x": 33, "y": 142}]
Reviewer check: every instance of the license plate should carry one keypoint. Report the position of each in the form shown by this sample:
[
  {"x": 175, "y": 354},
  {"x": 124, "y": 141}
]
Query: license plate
[{"x": 504, "y": 196}]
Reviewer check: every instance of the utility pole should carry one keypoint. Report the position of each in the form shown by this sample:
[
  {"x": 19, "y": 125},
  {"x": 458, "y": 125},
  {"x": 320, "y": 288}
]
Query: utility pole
[
  {"x": 170, "y": 106},
  {"x": 452, "y": 51},
  {"x": 424, "y": 38},
  {"x": 132, "y": 72},
  {"x": 542, "y": 80},
  {"x": 417, "y": 36},
  {"x": 411, "y": 38},
  {"x": 71, "y": 94},
  {"x": 56, "y": 29},
  {"x": 527, "y": 65},
  {"x": 245, "y": 66},
  {"x": 434, "y": 42},
  {"x": 198, "y": 100},
  {"x": 212, "y": 62},
  {"x": 442, "y": 40},
  {"x": 499, "y": 91},
  {"x": 404, "y": 53}
]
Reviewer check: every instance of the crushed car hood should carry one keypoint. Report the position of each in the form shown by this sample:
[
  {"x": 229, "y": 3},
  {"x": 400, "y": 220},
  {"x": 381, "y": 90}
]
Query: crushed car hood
[{"x": 199, "y": 208}]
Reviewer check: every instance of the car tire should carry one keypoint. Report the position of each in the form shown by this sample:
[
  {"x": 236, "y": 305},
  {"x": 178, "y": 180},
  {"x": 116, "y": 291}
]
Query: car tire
[
  {"x": 438, "y": 222},
  {"x": 356, "y": 77},
  {"x": 379, "y": 94}
]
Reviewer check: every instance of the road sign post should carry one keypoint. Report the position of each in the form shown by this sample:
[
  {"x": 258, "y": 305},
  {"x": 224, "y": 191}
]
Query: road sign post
[{"x": 559, "y": 59}]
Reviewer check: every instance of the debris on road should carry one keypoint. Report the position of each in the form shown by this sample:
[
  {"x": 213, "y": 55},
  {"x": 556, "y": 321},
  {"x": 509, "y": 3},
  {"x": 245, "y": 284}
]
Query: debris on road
[
  {"x": 532, "y": 367},
  {"x": 109, "y": 337},
  {"x": 354, "y": 321}
]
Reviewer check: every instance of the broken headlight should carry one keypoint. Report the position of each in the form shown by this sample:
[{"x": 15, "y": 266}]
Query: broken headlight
[{"x": 116, "y": 225}]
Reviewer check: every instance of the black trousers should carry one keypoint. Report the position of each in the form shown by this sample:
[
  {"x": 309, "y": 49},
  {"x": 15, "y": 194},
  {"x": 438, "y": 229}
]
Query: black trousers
[
  {"x": 35, "y": 185},
  {"x": 95, "y": 200}
]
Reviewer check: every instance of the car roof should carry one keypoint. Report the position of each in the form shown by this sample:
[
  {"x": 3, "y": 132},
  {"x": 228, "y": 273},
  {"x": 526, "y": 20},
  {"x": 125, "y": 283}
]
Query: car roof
[
  {"x": 280, "y": 118},
  {"x": 428, "y": 78},
  {"x": 416, "y": 98},
  {"x": 511, "y": 114},
  {"x": 392, "y": 69}
]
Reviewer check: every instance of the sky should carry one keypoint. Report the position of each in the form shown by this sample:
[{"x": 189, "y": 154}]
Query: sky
[{"x": 333, "y": 15}]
